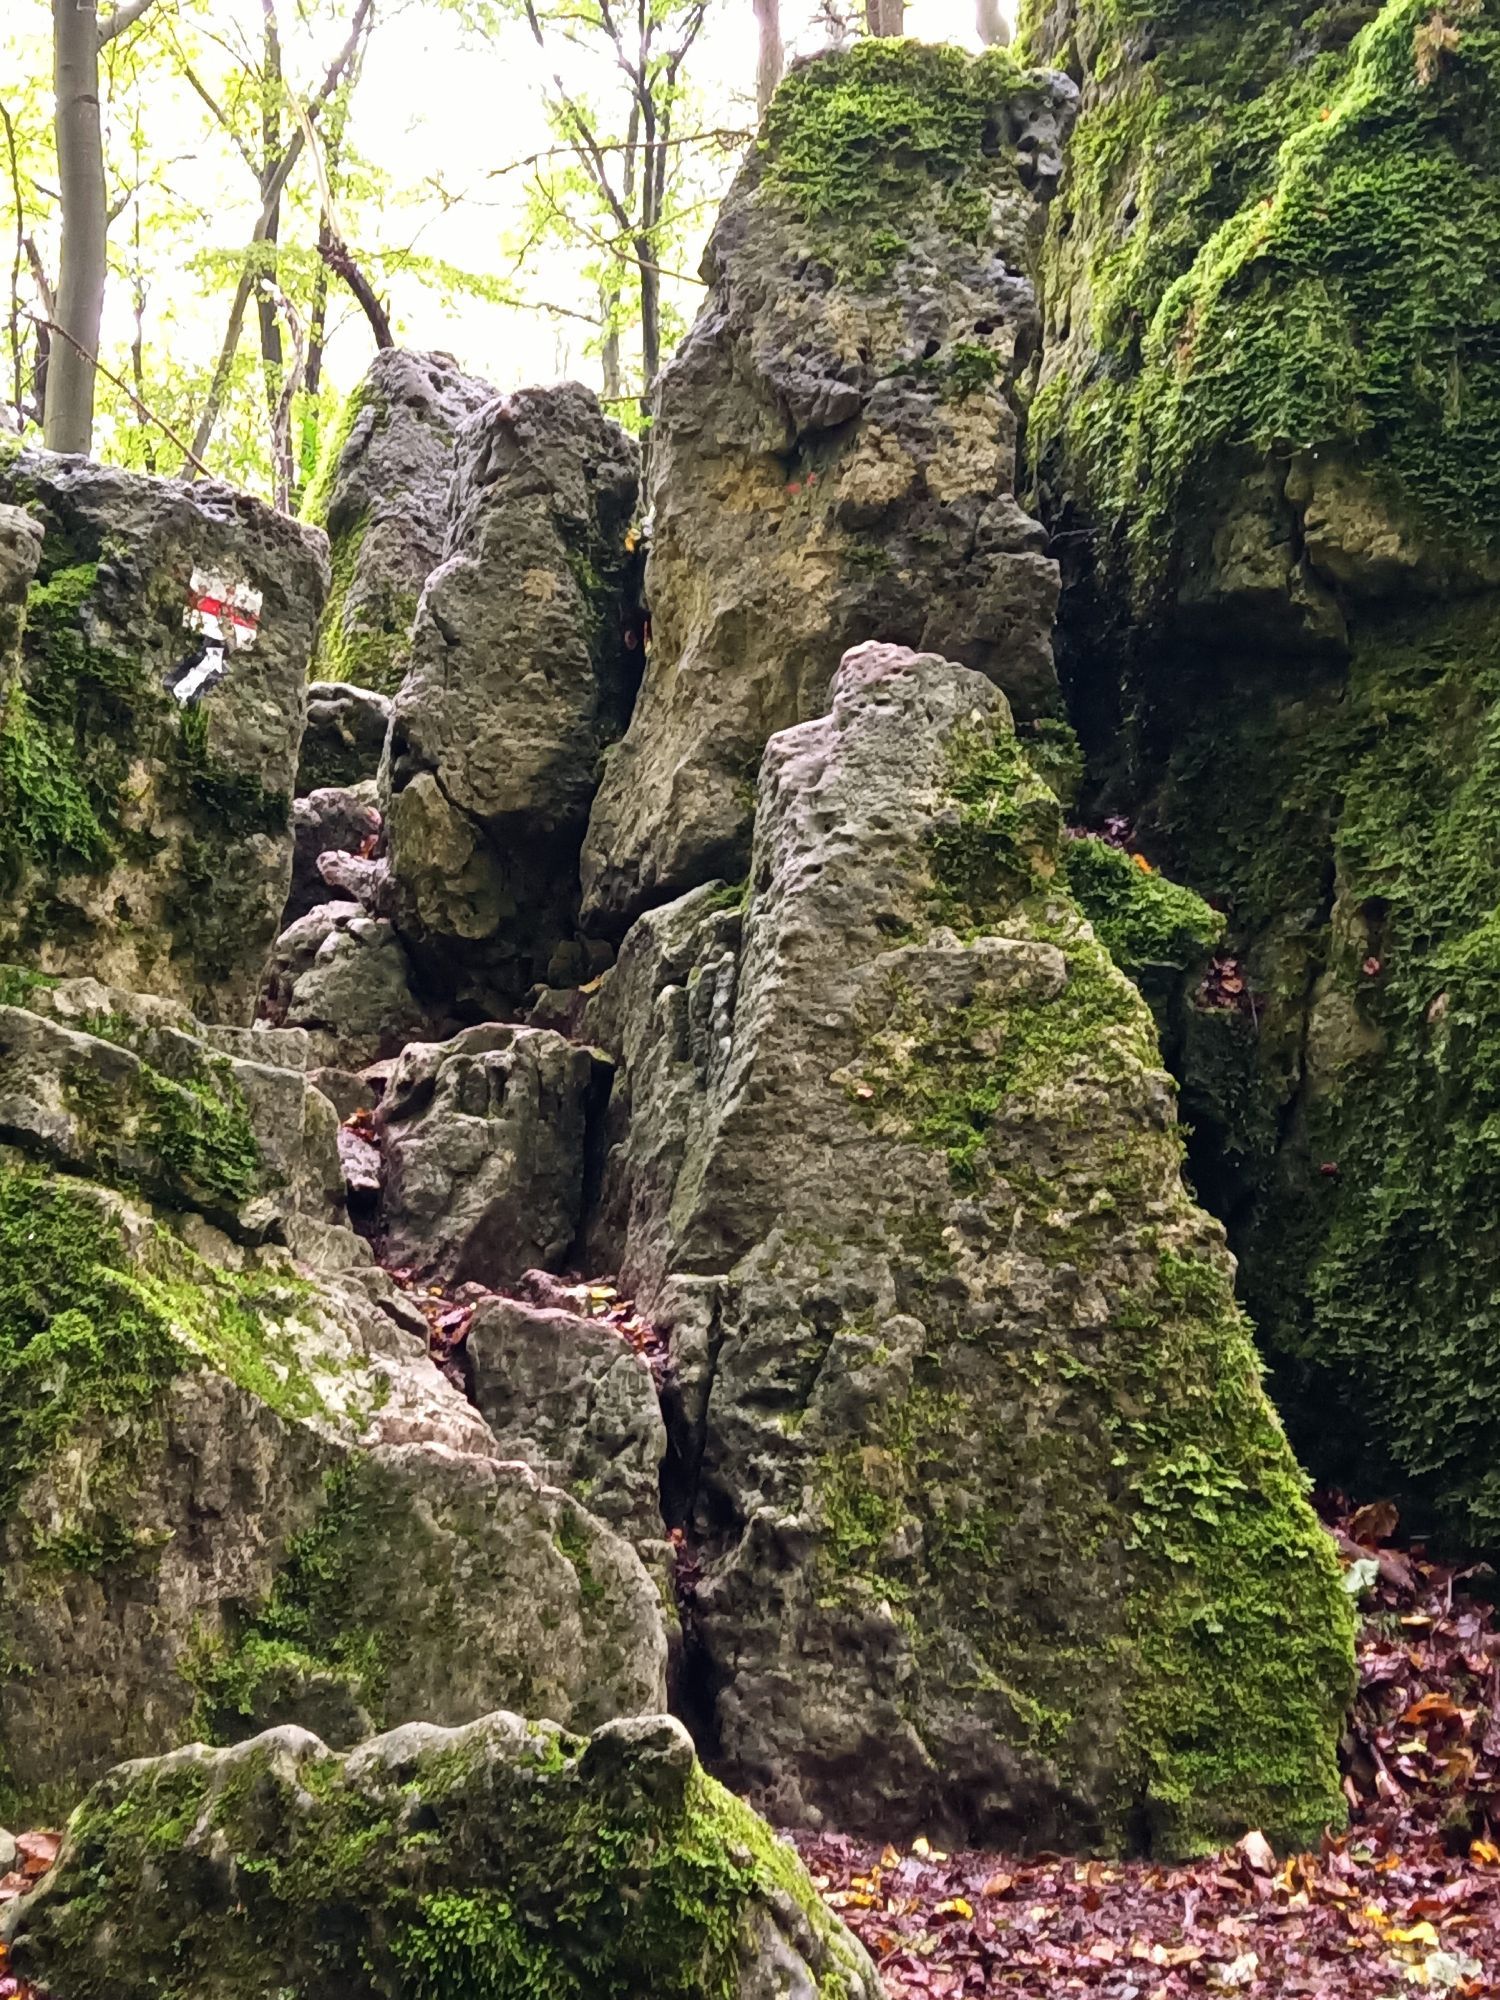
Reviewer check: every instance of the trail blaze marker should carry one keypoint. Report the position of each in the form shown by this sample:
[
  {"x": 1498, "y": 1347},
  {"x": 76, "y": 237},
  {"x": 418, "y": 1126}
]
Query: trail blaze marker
[{"x": 228, "y": 616}]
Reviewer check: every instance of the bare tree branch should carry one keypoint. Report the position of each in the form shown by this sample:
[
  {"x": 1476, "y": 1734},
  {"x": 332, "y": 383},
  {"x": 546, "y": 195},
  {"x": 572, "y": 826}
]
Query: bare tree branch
[
  {"x": 125, "y": 389},
  {"x": 124, "y": 16},
  {"x": 18, "y": 373}
]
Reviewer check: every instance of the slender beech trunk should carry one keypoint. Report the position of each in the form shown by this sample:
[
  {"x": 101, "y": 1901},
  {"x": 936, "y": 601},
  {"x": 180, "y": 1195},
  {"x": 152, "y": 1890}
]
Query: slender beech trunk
[
  {"x": 885, "y": 17},
  {"x": 771, "y": 56},
  {"x": 69, "y": 415}
]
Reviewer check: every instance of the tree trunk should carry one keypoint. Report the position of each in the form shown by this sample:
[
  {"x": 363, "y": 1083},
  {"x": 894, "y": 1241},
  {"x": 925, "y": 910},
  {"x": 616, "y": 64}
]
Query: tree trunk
[
  {"x": 885, "y": 17},
  {"x": 272, "y": 356},
  {"x": 69, "y": 414},
  {"x": 771, "y": 57}
]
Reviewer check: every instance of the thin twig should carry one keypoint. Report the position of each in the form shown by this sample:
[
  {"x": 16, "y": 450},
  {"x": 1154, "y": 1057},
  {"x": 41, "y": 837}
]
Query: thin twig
[
  {"x": 142, "y": 409},
  {"x": 15, "y": 269}
]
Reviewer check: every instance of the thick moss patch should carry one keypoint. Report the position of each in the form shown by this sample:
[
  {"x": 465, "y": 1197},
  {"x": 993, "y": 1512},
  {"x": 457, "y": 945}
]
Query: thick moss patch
[
  {"x": 866, "y": 145},
  {"x": 547, "y": 1871}
]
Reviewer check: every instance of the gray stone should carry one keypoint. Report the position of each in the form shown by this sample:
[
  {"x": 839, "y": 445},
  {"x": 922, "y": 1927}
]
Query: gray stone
[
  {"x": 611, "y": 1864},
  {"x": 344, "y": 737},
  {"x": 337, "y": 818},
  {"x": 383, "y": 497},
  {"x": 520, "y": 676},
  {"x": 134, "y": 1091},
  {"x": 148, "y": 842},
  {"x": 833, "y": 459},
  {"x": 483, "y": 1138},
  {"x": 344, "y": 977},
  {"x": 20, "y": 553},
  {"x": 897, "y": 1172},
  {"x": 572, "y": 1399}
]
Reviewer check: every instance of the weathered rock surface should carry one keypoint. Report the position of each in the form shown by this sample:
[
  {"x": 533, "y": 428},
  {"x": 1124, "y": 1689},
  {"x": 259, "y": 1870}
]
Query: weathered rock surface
[
  {"x": 484, "y": 1140},
  {"x": 432, "y": 1861},
  {"x": 1001, "y": 1535},
  {"x": 344, "y": 737},
  {"x": 145, "y": 839},
  {"x": 336, "y": 818},
  {"x": 383, "y": 497},
  {"x": 133, "y": 1091},
  {"x": 233, "y": 1487},
  {"x": 570, "y": 1398},
  {"x": 344, "y": 977},
  {"x": 20, "y": 553},
  {"x": 834, "y": 446},
  {"x": 1280, "y": 520},
  {"x": 520, "y": 676}
]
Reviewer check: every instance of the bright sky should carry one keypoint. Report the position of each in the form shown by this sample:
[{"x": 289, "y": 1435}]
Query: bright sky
[{"x": 441, "y": 114}]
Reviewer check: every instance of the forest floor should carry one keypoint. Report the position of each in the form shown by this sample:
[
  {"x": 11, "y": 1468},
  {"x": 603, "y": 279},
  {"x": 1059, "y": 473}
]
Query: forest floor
[{"x": 1406, "y": 1901}]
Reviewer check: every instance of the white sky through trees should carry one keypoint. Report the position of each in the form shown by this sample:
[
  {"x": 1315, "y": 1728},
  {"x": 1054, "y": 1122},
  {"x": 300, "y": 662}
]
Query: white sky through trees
[{"x": 437, "y": 112}]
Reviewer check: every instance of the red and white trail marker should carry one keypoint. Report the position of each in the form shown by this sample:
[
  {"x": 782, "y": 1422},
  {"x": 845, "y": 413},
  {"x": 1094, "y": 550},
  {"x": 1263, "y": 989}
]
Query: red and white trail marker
[{"x": 228, "y": 615}]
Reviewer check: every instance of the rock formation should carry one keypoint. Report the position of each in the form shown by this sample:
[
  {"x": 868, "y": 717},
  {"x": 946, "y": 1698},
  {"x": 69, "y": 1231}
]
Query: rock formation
[
  {"x": 382, "y": 494},
  {"x": 1266, "y": 426},
  {"x": 1001, "y": 1536},
  {"x": 344, "y": 737},
  {"x": 432, "y": 1862},
  {"x": 834, "y": 447},
  {"x": 235, "y": 1490},
  {"x": 484, "y": 1140},
  {"x": 521, "y": 674},
  {"x": 149, "y": 743}
]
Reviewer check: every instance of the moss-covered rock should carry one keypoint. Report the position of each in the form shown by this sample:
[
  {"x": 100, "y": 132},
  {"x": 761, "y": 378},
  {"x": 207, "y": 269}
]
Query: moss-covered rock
[
  {"x": 1269, "y": 410},
  {"x": 381, "y": 491},
  {"x": 146, "y": 839},
  {"x": 834, "y": 446},
  {"x": 488, "y": 1863},
  {"x": 1001, "y": 1535}
]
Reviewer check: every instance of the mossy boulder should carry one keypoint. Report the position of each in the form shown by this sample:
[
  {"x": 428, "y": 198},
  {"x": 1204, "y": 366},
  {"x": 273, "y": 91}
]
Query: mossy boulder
[
  {"x": 234, "y": 1489},
  {"x": 132, "y": 1091},
  {"x": 381, "y": 492},
  {"x": 1269, "y": 420},
  {"x": 526, "y": 654},
  {"x": 145, "y": 800},
  {"x": 834, "y": 445},
  {"x": 504, "y": 1858},
  {"x": 1001, "y": 1536}
]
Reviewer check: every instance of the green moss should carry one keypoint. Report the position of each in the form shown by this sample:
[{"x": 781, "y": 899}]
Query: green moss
[
  {"x": 46, "y": 811},
  {"x": 18, "y": 983},
  {"x": 318, "y": 497},
  {"x": 1144, "y": 921},
  {"x": 536, "y": 1877},
  {"x": 1310, "y": 233},
  {"x": 309, "y": 1628},
  {"x": 872, "y": 144},
  {"x": 998, "y": 838}
]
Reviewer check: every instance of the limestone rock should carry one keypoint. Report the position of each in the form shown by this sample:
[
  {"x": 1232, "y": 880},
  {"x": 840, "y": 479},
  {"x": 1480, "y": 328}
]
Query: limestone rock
[
  {"x": 134, "y": 1091},
  {"x": 484, "y": 1139},
  {"x": 344, "y": 977},
  {"x": 424, "y": 1860},
  {"x": 834, "y": 446},
  {"x": 146, "y": 772},
  {"x": 570, "y": 1398},
  {"x": 235, "y": 1490},
  {"x": 900, "y": 1178},
  {"x": 1284, "y": 594},
  {"x": 520, "y": 676},
  {"x": 382, "y": 494},
  {"x": 344, "y": 737},
  {"x": 335, "y": 818},
  {"x": 20, "y": 553}
]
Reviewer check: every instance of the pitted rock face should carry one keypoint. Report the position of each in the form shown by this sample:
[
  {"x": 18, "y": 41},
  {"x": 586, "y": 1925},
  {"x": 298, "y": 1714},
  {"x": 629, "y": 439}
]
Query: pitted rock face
[
  {"x": 610, "y": 1866},
  {"x": 383, "y": 497},
  {"x": 484, "y": 1140},
  {"x": 524, "y": 663},
  {"x": 149, "y": 745},
  {"x": 896, "y": 1166},
  {"x": 233, "y": 1463},
  {"x": 834, "y": 447},
  {"x": 20, "y": 553}
]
